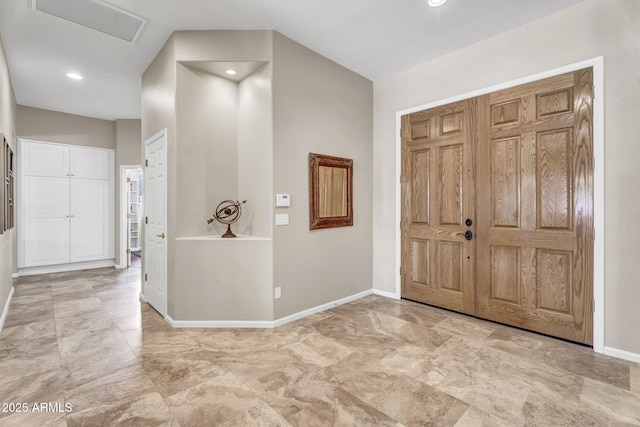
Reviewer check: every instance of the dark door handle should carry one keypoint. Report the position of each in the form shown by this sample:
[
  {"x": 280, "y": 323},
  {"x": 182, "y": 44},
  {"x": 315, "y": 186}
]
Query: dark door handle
[
  {"x": 469, "y": 222},
  {"x": 468, "y": 235}
]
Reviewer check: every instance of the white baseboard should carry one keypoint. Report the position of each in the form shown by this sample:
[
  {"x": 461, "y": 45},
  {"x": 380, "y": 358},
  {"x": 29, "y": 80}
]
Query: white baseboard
[
  {"x": 262, "y": 323},
  {"x": 317, "y": 309},
  {"x": 622, "y": 354},
  {"x": 386, "y": 294},
  {"x": 15, "y": 275},
  {"x": 218, "y": 323},
  {"x": 60, "y": 268},
  {"x": 5, "y": 310}
]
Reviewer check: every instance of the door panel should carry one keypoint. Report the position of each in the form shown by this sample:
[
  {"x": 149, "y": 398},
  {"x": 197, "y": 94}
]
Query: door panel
[
  {"x": 89, "y": 163},
  {"x": 420, "y": 185},
  {"x": 535, "y": 222},
  {"x": 87, "y": 238},
  {"x": 505, "y": 183},
  {"x": 46, "y": 159},
  {"x": 48, "y": 240},
  {"x": 89, "y": 219},
  {"x": 438, "y": 191},
  {"x": 46, "y": 197},
  {"x": 46, "y": 213},
  {"x": 450, "y": 184},
  {"x": 553, "y": 179},
  {"x": 89, "y": 197}
]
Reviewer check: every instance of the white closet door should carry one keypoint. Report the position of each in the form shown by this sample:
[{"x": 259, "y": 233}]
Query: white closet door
[
  {"x": 89, "y": 219},
  {"x": 89, "y": 163},
  {"x": 46, "y": 159},
  {"x": 46, "y": 222}
]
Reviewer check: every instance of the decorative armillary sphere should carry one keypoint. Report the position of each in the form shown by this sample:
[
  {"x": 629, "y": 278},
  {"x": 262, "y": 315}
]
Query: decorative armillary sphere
[{"x": 228, "y": 212}]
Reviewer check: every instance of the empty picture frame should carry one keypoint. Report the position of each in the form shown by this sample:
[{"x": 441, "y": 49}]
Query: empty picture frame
[{"x": 330, "y": 191}]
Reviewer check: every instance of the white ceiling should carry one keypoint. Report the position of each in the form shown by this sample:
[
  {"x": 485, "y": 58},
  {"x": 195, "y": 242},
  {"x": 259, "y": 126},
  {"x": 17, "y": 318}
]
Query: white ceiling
[{"x": 374, "y": 38}]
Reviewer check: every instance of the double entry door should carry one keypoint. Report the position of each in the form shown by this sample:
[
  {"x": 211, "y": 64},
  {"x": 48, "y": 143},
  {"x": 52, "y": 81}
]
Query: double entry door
[{"x": 497, "y": 206}]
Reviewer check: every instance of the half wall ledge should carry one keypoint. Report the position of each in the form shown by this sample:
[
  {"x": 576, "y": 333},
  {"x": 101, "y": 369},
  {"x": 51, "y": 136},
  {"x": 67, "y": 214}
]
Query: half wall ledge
[{"x": 237, "y": 238}]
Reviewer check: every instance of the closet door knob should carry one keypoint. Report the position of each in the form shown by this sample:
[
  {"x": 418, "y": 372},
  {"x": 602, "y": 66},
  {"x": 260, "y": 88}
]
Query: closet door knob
[{"x": 161, "y": 235}]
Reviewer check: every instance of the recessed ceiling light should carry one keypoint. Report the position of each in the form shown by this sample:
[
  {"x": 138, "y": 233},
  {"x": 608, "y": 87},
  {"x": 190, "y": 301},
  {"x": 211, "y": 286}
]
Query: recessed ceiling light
[
  {"x": 74, "y": 76},
  {"x": 231, "y": 71},
  {"x": 436, "y": 3}
]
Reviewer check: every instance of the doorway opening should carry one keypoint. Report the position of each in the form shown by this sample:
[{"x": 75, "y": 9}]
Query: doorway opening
[{"x": 130, "y": 248}]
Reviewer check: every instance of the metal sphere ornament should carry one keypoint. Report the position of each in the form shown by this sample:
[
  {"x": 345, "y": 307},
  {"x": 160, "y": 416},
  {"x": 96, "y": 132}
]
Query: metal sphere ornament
[{"x": 228, "y": 212}]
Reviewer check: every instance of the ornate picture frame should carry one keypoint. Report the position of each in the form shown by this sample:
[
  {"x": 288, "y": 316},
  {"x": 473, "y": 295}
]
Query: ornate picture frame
[{"x": 330, "y": 191}]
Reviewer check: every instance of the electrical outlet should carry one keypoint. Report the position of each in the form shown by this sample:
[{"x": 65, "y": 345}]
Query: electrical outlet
[{"x": 278, "y": 292}]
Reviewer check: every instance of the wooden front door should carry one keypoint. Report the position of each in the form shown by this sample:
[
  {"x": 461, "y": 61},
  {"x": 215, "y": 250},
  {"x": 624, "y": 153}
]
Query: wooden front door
[
  {"x": 437, "y": 199},
  {"x": 535, "y": 216},
  {"x": 530, "y": 263}
]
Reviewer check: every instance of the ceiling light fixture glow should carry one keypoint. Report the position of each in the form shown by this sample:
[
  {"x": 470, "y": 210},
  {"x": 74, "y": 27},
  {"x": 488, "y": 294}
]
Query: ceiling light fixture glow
[
  {"x": 436, "y": 3},
  {"x": 74, "y": 76},
  {"x": 231, "y": 72}
]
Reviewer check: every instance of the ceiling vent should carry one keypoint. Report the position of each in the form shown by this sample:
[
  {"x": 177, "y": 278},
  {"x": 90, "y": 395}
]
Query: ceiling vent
[{"x": 95, "y": 14}]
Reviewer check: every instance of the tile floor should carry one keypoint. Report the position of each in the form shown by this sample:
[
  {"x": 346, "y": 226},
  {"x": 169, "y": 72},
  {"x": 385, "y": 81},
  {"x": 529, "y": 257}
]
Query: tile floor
[{"x": 83, "y": 339}]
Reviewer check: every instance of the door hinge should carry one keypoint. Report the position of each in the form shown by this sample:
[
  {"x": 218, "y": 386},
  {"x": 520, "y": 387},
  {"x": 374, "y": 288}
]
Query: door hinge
[
  {"x": 594, "y": 306},
  {"x": 128, "y": 215},
  {"x": 146, "y": 162},
  {"x": 128, "y": 251},
  {"x": 146, "y": 277},
  {"x": 128, "y": 179},
  {"x": 146, "y": 220}
]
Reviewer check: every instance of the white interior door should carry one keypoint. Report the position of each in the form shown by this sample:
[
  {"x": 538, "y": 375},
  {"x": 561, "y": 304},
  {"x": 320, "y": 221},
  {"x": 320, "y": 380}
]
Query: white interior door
[{"x": 155, "y": 250}]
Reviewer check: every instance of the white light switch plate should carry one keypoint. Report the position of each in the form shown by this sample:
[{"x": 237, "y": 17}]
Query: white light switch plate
[{"x": 282, "y": 219}]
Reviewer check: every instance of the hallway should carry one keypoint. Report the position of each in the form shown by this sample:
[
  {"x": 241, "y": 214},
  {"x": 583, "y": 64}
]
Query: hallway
[{"x": 85, "y": 339}]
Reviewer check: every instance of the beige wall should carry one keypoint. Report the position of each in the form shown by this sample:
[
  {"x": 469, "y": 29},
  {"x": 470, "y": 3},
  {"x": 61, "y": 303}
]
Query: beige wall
[
  {"x": 8, "y": 258},
  {"x": 319, "y": 107},
  {"x": 223, "y": 45},
  {"x": 589, "y": 29},
  {"x": 52, "y": 126},
  {"x": 128, "y": 142}
]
